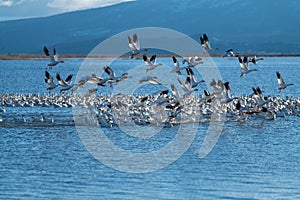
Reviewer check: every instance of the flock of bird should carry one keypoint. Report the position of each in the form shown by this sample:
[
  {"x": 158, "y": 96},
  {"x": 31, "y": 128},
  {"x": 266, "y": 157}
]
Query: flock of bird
[{"x": 164, "y": 106}]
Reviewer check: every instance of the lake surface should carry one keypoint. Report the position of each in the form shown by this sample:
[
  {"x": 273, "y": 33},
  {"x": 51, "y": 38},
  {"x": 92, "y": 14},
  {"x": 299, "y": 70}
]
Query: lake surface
[{"x": 257, "y": 159}]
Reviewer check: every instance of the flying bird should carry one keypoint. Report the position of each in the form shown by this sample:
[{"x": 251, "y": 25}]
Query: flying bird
[
  {"x": 177, "y": 69},
  {"x": 193, "y": 61},
  {"x": 134, "y": 45},
  {"x": 255, "y": 59},
  {"x": 231, "y": 53},
  {"x": 52, "y": 58},
  {"x": 112, "y": 76},
  {"x": 50, "y": 81},
  {"x": 150, "y": 63},
  {"x": 150, "y": 79},
  {"x": 205, "y": 43},
  {"x": 244, "y": 66},
  {"x": 281, "y": 83},
  {"x": 65, "y": 84},
  {"x": 193, "y": 81}
]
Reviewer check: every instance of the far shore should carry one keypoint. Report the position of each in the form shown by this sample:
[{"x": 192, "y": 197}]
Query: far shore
[{"x": 70, "y": 56}]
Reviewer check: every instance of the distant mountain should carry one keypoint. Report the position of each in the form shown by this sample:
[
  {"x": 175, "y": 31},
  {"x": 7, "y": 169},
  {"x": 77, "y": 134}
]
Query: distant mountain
[{"x": 260, "y": 26}]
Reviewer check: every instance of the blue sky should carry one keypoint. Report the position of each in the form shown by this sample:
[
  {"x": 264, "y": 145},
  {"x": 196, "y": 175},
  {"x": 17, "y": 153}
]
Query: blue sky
[{"x": 17, "y": 9}]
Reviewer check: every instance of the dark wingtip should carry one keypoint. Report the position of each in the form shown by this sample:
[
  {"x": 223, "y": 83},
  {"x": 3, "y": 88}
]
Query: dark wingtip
[
  {"x": 174, "y": 59},
  {"x": 240, "y": 59},
  {"x": 58, "y": 76},
  {"x": 278, "y": 74},
  {"x": 206, "y": 93},
  {"x": 144, "y": 57}
]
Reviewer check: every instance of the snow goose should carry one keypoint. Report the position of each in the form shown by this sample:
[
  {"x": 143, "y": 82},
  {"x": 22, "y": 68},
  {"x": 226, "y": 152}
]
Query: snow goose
[
  {"x": 281, "y": 83},
  {"x": 193, "y": 80},
  {"x": 52, "y": 58},
  {"x": 50, "y": 81},
  {"x": 150, "y": 79},
  {"x": 67, "y": 84},
  {"x": 244, "y": 66},
  {"x": 150, "y": 63},
  {"x": 134, "y": 45}
]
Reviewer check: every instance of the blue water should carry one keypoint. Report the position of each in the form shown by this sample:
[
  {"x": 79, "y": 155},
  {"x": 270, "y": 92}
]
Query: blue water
[{"x": 257, "y": 159}]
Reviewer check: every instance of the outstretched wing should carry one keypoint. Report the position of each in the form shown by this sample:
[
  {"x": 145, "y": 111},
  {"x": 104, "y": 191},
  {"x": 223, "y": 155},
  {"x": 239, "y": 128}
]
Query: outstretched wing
[
  {"x": 279, "y": 79},
  {"x": 136, "y": 41},
  {"x": 69, "y": 79},
  {"x": 205, "y": 37},
  {"x": 109, "y": 71},
  {"x": 202, "y": 40},
  {"x": 242, "y": 64},
  {"x": 61, "y": 82},
  {"x": 152, "y": 59},
  {"x": 46, "y": 51}
]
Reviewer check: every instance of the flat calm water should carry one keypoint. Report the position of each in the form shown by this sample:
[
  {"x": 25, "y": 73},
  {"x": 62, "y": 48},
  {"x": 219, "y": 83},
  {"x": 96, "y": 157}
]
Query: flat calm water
[{"x": 257, "y": 159}]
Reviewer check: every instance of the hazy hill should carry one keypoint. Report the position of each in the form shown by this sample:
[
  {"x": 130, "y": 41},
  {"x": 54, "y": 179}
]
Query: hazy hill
[{"x": 248, "y": 25}]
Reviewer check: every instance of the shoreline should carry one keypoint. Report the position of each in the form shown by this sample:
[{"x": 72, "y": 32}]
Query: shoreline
[{"x": 72, "y": 56}]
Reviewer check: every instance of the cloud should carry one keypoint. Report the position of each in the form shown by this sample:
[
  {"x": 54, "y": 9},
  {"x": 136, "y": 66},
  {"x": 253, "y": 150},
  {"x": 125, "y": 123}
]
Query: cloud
[
  {"x": 9, "y": 3},
  {"x": 6, "y": 3},
  {"x": 70, "y": 5}
]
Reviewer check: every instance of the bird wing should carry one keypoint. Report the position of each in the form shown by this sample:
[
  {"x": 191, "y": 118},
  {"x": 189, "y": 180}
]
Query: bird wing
[
  {"x": 69, "y": 79},
  {"x": 46, "y": 51},
  {"x": 110, "y": 72},
  {"x": 174, "y": 91},
  {"x": 205, "y": 37},
  {"x": 176, "y": 63},
  {"x": 131, "y": 45},
  {"x": 245, "y": 60},
  {"x": 183, "y": 86},
  {"x": 61, "y": 82},
  {"x": 55, "y": 55},
  {"x": 242, "y": 64},
  {"x": 147, "y": 62},
  {"x": 279, "y": 79},
  {"x": 202, "y": 40},
  {"x": 153, "y": 58},
  {"x": 48, "y": 75},
  {"x": 136, "y": 41},
  {"x": 49, "y": 79}
]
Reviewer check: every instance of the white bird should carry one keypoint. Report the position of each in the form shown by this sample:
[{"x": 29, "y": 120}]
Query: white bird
[
  {"x": 208, "y": 97},
  {"x": 187, "y": 88},
  {"x": 134, "y": 45},
  {"x": 244, "y": 66},
  {"x": 94, "y": 79},
  {"x": 192, "y": 61},
  {"x": 52, "y": 58},
  {"x": 50, "y": 81},
  {"x": 150, "y": 79},
  {"x": 175, "y": 92},
  {"x": 193, "y": 81},
  {"x": 255, "y": 59},
  {"x": 281, "y": 83},
  {"x": 231, "y": 53},
  {"x": 112, "y": 76},
  {"x": 67, "y": 84},
  {"x": 205, "y": 43},
  {"x": 260, "y": 100},
  {"x": 227, "y": 93},
  {"x": 177, "y": 67},
  {"x": 150, "y": 63}
]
